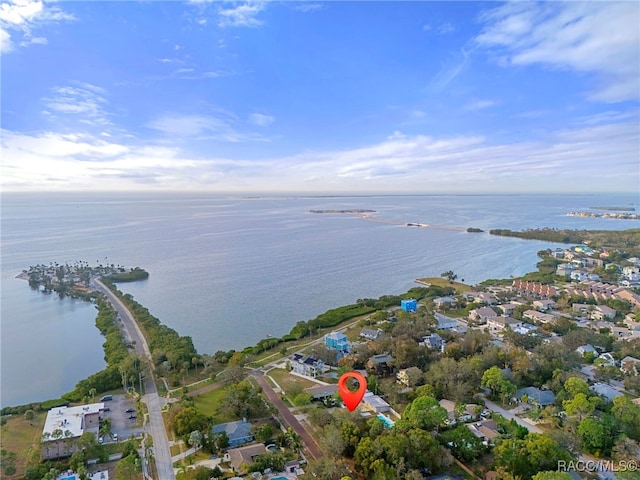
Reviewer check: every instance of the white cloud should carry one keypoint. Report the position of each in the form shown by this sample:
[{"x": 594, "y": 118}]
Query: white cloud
[
  {"x": 453, "y": 67},
  {"x": 241, "y": 16},
  {"x": 569, "y": 160},
  {"x": 481, "y": 104},
  {"x": 33, "y": 41},
  {"x": 5, "y": 41},
  {"x": 445, "y": 28},
  {"x": 260, "y": 119},
  {"x": 219, "y": 126},
  {"x": 83, "y": 100},
  {"x": 596, "y": 37},
  {"x": 309, "y": 7},
  {"x": 441, "y": 29},
  {"x": 22, "y": 17}
]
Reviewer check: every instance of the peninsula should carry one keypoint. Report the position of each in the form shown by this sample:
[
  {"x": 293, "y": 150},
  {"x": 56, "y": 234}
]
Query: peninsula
[{"x": 453, "y": 370}]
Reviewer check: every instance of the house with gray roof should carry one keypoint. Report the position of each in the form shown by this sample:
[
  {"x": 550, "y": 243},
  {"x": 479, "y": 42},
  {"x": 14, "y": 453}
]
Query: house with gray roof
[
  {"x": 605, "y": 390},
  {"x": 536, "y": 396},
  {"x": 371, "y": 334}
]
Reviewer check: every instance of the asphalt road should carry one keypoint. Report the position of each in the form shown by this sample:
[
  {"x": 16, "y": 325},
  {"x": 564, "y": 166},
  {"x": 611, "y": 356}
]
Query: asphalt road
[
  {"x": 288, "y": 418},
  {"x": 155, "y": 426}
]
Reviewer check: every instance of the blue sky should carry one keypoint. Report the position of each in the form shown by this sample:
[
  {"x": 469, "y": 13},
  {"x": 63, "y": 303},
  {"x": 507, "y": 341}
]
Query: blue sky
[{"x": 321, "y": 97}]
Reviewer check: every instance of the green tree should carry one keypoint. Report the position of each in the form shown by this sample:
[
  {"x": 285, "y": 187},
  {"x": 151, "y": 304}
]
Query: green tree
[
  {"x": 580, "y": 406},
  {"x": 424, "y": 413},
  {"x": 493, "y": 380},
  {"x": 189, "y": 419},
  {"x": 449, "y": 275},
  {"x": 593, "y": 435},
  {"x": 575, "y": 385},
  {"x": 551, "y": 475}
]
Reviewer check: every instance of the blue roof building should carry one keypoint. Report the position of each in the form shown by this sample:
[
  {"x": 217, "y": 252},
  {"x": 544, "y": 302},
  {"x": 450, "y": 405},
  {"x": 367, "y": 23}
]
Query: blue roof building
[
  {"x": 410, "y": 305},
  {"x": 337, "y": 341},
  {"x": 238, "y": 432}
]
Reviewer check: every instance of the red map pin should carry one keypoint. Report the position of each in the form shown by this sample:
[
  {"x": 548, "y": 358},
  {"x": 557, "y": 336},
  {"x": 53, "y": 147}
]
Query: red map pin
[{"x": 352, "y": 399}]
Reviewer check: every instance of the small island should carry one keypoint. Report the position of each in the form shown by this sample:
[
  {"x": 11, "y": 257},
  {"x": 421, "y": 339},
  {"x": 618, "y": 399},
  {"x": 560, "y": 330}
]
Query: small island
[
  {"x": 617, "y": 216},
  {"x": 351, "y": 210}
]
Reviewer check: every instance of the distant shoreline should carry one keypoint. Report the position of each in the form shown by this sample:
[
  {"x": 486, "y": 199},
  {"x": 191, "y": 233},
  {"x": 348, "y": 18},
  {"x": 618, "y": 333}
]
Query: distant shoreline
[{"x": 363, "y": 213}]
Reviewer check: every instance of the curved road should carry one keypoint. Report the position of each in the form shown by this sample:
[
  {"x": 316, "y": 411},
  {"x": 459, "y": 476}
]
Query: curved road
[{"x": 155, "y": 426}]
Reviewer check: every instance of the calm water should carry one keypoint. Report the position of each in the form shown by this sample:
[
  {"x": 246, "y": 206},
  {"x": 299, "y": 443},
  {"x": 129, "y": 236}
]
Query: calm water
[{"x": 229, "y": 271}]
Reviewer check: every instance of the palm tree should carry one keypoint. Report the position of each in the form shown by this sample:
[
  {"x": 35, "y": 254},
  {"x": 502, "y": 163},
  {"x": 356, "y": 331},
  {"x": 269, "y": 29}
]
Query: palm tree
[
  {"x": 67, "y": 436},
  {"x": 105, "y": 428},
  {"x": 57, "y": 435},
  {"x": 293, "y": 440}
]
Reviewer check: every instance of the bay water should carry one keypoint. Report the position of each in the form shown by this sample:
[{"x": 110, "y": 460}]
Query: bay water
[{"x": 230, "y": 270}]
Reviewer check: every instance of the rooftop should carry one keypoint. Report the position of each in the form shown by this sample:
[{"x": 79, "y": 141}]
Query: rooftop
[{"x": 69, "y": 418}]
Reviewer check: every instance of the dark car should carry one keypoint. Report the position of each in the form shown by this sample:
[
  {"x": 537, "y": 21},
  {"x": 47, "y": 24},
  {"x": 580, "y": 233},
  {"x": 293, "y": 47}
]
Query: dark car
[
  {"x": 132, "y": 417},
  {"x": 130, "y": 410},
  {"x": 106, "y": 409}
]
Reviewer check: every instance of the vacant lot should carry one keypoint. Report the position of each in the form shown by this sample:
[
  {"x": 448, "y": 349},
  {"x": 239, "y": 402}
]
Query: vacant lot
[
  {"x": 19, "y": 436},
  {"x": 292, "y": 384}
]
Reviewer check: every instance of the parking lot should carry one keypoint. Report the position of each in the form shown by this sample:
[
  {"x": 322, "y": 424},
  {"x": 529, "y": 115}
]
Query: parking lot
[{"x": 122, "y": 425}]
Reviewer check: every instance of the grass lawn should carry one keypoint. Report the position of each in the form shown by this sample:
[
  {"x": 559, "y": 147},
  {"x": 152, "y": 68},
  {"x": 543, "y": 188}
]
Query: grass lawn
[
  {"x": 208, "y": 402},
  {"x": 19, "y": 436},
  {"x": 443, "y": 282},
  {"x": 291, "y": 384}
]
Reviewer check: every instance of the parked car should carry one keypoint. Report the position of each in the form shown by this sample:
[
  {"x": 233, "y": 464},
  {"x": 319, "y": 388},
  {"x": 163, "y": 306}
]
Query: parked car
[
  {"x": 130, "y": 410},
  {"x": 106, "y": 409},
  {"x": 132, "y": 417}
]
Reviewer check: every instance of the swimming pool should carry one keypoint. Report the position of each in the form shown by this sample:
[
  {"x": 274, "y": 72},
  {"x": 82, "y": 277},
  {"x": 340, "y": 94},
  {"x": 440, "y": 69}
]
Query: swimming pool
[{"x": 386, "y": 420}]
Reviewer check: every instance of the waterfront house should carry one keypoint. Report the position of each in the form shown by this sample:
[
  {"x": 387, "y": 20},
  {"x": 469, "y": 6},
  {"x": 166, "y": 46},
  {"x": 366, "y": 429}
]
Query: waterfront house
[
  {"x": 238, "y": 432},
  {"x": 337, "y": 341},
  {"x": 409, "y": 305},
  {"x": 305, "y": 365}
]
